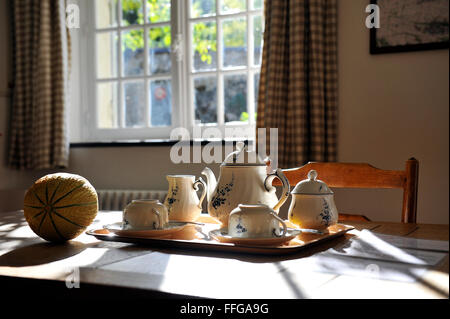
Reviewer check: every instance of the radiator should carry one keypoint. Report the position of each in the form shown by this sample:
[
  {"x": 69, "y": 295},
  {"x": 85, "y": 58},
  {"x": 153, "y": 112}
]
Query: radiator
[{"x": 118, "y": 199}]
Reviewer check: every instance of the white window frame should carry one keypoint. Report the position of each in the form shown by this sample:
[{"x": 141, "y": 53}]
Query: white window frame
[{"x": 182, "y": 75}]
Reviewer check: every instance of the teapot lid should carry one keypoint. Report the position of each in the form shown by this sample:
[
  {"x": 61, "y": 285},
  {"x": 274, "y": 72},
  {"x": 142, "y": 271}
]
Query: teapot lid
[
  {"x": 311, "y": 186},
  {"x": 241, "y": 157}
]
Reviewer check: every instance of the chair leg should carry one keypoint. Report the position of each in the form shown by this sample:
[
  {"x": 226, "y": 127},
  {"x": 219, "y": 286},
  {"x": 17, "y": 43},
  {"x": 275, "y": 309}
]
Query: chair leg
[{"x": 409, "y": 211}]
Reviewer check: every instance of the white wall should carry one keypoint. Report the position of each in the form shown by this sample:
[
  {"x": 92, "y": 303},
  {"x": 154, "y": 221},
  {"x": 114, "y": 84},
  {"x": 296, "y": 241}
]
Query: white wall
[
  {"x": 391, "y": 106},
  {"x": 129, "y": 167}
]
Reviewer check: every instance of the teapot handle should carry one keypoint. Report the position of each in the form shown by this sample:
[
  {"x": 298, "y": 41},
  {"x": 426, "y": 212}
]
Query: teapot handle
[
  {"x": 286, "y": 188},
  {"x": 198, "y": 182}
]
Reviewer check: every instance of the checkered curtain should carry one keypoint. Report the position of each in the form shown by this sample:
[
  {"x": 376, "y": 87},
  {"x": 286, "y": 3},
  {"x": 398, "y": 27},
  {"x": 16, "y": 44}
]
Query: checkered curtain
[
  {"x": 298, "y": 81},
  {"x": 38, "y": 135}
]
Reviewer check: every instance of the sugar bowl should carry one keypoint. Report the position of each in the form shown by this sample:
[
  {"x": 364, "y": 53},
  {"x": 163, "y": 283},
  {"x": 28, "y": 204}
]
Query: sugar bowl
[{"x": 312, "y": 204}]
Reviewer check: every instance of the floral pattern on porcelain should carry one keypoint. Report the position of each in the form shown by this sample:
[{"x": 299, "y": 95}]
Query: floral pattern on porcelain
[
  {"x": 239, "y": 228},
  {"x": 325, "y": 215},
  {"x": 222, "y": 192},
  {"x": 171, "y": 199}
]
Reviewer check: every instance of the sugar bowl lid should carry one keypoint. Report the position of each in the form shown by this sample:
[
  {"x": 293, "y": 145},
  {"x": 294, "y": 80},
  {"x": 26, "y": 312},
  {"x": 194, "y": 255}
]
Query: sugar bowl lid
[{"x": 311, "y": 186}]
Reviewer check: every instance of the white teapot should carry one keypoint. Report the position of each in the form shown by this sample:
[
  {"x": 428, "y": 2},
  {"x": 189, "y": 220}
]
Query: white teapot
[{"x": 243, "y": 180}]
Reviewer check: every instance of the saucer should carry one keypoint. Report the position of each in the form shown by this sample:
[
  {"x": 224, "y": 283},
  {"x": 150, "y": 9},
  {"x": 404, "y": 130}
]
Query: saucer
[
  {"x": 222, "y": 236},
  {"x": 118, "y": 229}
]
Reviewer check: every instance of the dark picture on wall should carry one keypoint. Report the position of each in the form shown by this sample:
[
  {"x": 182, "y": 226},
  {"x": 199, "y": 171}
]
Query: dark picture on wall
[{"x": 410, "y": 25}]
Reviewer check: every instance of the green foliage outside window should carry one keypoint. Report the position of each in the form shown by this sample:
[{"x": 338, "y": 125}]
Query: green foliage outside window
[{"x": 204, "y": 33}]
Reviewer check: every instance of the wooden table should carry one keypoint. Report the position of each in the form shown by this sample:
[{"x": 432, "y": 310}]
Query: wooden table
[{"x": 110, "y": 267}]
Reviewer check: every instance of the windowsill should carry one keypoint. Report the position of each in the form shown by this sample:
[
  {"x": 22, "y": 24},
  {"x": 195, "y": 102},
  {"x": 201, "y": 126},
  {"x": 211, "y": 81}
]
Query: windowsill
[{"x": 149, "y": 143}]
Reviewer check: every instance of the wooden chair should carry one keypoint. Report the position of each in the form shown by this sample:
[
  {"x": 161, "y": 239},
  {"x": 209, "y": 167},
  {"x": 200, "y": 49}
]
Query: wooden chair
[{"x": 360, "y": 175}]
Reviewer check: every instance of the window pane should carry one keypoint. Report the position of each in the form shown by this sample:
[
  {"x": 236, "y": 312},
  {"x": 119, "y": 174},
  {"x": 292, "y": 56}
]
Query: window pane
[
  {"x": 106, "y": 13},
  {"x": 201, "y": 8},
  {"x": 235, "y": 87},
  {"x": 132, "y": 12},
  {"x": 257, "y": 4},
  {"x": 135, "y": 104},
  {"x": 205, "y": 95},
  {"x": 106, "y": 43},
  {"x": 159, "y": 47},
  {"x": 107, "y": 105},
  {"x": 133, "y": 52},
  {"x": 234, "y": 42},
  {"x": 257, "y": 38},
  {"x": 230, "y": 6},
  {"x": 161, "y": 103},
  {"x": 204, "y": 46},
  {"x": 158, "y": 10}
]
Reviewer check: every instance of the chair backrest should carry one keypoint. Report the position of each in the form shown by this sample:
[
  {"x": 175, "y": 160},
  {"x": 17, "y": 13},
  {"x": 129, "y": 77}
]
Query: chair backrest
[{"x": 361, "y": 175}]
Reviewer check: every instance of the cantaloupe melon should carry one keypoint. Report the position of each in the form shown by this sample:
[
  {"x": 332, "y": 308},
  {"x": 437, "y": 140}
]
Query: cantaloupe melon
[{"x": 59, "y": 207}]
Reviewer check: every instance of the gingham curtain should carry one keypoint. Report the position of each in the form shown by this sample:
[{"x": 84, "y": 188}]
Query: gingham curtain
[
  {"x": 298, "y": 81},
  {"x": 38, "y": 137}
]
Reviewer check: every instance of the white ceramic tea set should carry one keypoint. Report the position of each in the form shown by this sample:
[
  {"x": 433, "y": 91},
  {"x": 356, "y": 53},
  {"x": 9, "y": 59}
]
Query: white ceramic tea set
[{"x": 242, "y": 199}]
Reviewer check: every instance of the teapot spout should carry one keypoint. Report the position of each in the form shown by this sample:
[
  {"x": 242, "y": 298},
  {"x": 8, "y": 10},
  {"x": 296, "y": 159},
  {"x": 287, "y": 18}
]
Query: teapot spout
[{"x": 210, "y": 181}]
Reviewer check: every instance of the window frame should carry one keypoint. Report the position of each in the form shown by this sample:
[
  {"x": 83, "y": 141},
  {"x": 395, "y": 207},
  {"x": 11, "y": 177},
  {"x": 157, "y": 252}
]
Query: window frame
[{"x": 182, "y": 75}]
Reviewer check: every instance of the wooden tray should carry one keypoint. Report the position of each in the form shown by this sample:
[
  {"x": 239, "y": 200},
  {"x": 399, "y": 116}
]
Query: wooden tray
[{"x": 197, "y": 237}]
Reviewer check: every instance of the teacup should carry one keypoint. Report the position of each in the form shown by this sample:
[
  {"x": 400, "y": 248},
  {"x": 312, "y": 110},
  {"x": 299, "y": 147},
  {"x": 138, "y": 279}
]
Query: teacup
[
  {"x": 255, "y": 221},
  {"x": 145, "y": 213}
]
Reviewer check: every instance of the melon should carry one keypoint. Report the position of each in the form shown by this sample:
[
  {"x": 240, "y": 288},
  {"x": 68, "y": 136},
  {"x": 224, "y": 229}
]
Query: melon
[{"x": 59, "y": 207}]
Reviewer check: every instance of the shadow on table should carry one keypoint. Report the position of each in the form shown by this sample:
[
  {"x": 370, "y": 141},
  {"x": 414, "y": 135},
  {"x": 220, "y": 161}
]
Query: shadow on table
[
  {"x": 41, "y": 253},
  {"x": 368, "y": 259},
  {"x": 17, "y": 249},
  {"x": 310, "y": 250},
  {"x": 31, "y": 251},
  {"x": 45, "y": 252},
  {"x": 10, "y": 223}
]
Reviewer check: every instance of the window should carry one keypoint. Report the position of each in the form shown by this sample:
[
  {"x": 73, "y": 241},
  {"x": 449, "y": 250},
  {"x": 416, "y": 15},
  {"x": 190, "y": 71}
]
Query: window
[{"x": 152, "y": 65}]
